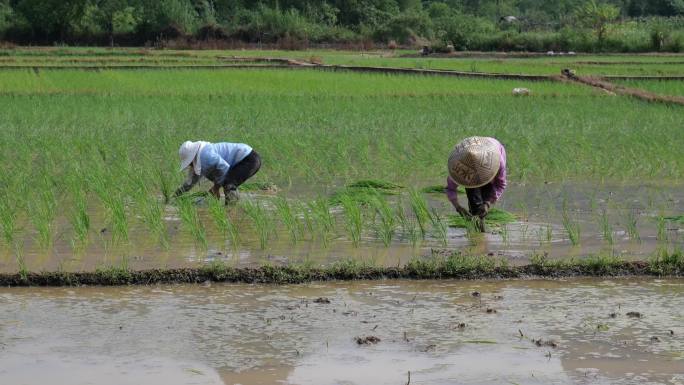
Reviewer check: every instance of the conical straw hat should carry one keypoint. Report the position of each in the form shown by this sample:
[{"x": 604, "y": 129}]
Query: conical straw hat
[{"x": 474, "y": 162}]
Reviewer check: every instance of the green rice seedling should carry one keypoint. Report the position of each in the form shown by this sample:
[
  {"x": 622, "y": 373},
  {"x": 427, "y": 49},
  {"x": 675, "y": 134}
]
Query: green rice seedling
[
  {"x": 288, "y": 218},
  {"x": 495, "y": 219},
  {"x": 261, "y": 221},
  {"x": 375, "y": 184},
  {"x": 522, "y": 207},
  {"x": 505, "y": 235},
  {"x": 320, "y": 209},
  {"x": 117, "y": 213},
  {"x": 225, "y": 226},
  {"x": 190, "y": 219},
  {"x": 440, "y": 226},
  {"x": 353, "y": 218},
  {"x": 572, "y": 227},
  {"x": 631, "y": 218},
  {"x": 42, "y": 213},
  {"x": 153, "y": 213},
  {"x": 662, "y": 228},
  {"x": 541, "y": 236},
  {"x": 22, "y": 268},
  {"x": 408, "y": 225},
  {"x": 523, "y": 231},
  {"x": 385, "y": 213},
  {"x": 606, "y": 227},
  {"x": 420, "y": 210},
  {"x": 80, "y": 220},
  {"x": 8, "y": 219},
  {"x": 306, "y": 216},
  {"x": 165, "y": 186}
]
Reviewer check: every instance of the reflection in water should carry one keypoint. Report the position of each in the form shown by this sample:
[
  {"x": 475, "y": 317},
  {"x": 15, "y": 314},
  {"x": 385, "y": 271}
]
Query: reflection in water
[{"x": 438, "y": 330}]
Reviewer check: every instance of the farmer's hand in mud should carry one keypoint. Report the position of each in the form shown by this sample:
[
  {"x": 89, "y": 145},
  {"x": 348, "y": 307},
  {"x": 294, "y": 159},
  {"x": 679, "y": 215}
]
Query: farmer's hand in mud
[
  {"x": 216, "y": 191},
  {"x": 464, "y": 213},
  {"x": 484, "y": 210}
]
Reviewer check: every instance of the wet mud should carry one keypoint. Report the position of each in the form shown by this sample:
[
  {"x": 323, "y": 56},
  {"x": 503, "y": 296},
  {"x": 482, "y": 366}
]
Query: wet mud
[{"x": 543, "y": 332}]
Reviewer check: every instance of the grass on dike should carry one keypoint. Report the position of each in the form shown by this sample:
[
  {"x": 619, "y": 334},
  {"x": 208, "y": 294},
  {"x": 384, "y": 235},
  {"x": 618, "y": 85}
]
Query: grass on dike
[
  {"x": 583, "y": 64},
  {"x": 437, "y": 267}
]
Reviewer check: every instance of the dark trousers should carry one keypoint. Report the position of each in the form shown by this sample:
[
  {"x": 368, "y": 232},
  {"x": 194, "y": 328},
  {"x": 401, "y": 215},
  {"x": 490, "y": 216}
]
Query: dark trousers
[
  {"x": 477, "y": 197},
  {"x": 242, "y": 171}
]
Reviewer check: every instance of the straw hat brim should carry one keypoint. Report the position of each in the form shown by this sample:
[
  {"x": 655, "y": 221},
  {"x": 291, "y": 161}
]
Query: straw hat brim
[{"x": 474, "y": 162}]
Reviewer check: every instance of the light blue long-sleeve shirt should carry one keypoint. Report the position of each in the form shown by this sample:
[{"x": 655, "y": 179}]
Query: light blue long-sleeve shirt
[{"x": 216, "y": 159}]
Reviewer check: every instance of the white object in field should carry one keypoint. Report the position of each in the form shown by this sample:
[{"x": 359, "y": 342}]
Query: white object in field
[
  {"x": 509, "y": 19},
  {"x": 550, "y": 53},
  {"x": 521, "y": 92},
  {"x": 572, "y": 53}
]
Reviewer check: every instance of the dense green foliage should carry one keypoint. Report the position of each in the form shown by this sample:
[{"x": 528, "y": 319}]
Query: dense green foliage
[{"x": 581, "y": 25}]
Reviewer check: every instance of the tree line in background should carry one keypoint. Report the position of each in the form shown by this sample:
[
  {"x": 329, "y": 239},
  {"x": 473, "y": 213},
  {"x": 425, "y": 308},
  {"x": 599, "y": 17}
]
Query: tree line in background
[{"x": 445, "y": 25}]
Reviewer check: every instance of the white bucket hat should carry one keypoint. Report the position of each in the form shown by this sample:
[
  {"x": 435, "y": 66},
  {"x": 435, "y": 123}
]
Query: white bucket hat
[
  {"x": 474, "y": 162},
  {"x": 187, "y": 152}
]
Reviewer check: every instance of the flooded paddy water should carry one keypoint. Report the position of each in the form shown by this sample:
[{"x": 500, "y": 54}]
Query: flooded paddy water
[
  {"x": 551, "y": 219},
  {"x": 581, "y": 331}
]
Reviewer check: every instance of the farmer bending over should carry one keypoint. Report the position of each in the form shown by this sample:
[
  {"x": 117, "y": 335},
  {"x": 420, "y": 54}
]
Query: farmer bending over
[
  {"x": 228, "y": 165},
  {"x": 478, "y": 164}
]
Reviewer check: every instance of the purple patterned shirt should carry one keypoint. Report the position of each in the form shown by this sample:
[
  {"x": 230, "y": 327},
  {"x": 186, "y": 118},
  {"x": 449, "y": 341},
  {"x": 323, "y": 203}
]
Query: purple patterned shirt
[{"x": 498, "y": 183}]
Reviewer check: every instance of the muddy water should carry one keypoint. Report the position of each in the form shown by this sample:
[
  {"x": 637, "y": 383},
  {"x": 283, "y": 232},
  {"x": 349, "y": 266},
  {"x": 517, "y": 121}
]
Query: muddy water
[
  {"x": 541, "y": 210},
  {"x": 437, "y": 330}
]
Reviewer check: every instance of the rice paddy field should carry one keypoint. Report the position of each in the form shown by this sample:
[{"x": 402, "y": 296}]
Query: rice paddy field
[{"x": 354, "y": 167}]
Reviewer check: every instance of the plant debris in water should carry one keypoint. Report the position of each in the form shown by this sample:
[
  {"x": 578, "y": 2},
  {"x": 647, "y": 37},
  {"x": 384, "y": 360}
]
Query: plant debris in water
[
  {"x": 439, "y": 189},
  {"x": 269, "y": 187},
  {"x": 376, "y": 184},
  {"x": 541, "y": 342},
  {"x": 322, "y": 300},
  {"x": 676, "y": 218},
  {"x": 496, "y": 218},
  {"x": 368, "y": 340},
  {"x": 634, "y": 314}
]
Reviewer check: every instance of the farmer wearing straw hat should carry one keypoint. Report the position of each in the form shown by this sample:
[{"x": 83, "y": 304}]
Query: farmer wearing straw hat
[
  {"x": 228, "y": 165},
  {"x": 478, "y": 164}
]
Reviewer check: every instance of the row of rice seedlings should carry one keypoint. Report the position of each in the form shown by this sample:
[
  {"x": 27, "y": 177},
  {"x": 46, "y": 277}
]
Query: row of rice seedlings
[
  {"x": 661, "y": 224},
  {"x": 505, "y": 235},
  {"x": 353, "y": 218},
  {"x": 80, "y": 220},
  {"x": 190, "y": 219},
  {"x": 225, "y": 226},
  {"x": 261, "y": 220},
  {"x": 325, "y": 221},
  {"x": 8, "y": 219},
  {"x": 116, "y": 210},
  {"x": 306, "y": 217},
  {"x": 420, "y": 210},
  {"x": 165, "y": 186},
  {"x": 572, "y": 227},
  {"x": 153, "y": 216},
  {"x": 42, "y": 214},
  {"x": 606, "y": 227},
  {"x": 289, "y": 219},
  {"x": 631, "y": 219},
  {"x": 440, "y": 226},
  {"x": 386, "y": 227},
  {"x": 409, "y": 225}
]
